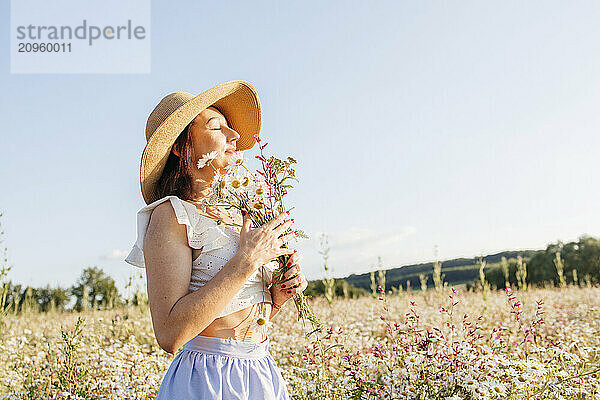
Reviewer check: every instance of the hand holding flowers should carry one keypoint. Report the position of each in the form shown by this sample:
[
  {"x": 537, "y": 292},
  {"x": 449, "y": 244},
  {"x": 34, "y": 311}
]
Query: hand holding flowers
[
  {"x": 262, "y": 244},
  {"x": 292, "y": 282}
]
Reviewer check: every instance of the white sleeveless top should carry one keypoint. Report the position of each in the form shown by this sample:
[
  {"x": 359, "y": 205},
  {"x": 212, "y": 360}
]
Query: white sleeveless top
[{"x": 220, "y": 245}]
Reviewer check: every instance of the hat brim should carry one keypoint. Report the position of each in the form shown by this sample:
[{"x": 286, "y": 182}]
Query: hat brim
[{"x": 239, "y": 103}]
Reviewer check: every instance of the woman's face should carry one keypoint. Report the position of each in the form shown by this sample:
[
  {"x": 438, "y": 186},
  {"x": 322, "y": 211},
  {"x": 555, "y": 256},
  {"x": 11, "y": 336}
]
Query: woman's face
[{"x": 210, "y": 132}]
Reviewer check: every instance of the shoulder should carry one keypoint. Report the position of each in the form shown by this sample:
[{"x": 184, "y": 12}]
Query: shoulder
[
  {"x": 169, "y": 220},
  {"x": 163, "y": 211},
  {"x": 164, "y": 218},
  {"x": 160, "y": 224}
]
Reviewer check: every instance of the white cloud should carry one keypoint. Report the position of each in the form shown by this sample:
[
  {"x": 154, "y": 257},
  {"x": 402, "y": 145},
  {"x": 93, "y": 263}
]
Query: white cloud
[{"x": 115, "y": 254}]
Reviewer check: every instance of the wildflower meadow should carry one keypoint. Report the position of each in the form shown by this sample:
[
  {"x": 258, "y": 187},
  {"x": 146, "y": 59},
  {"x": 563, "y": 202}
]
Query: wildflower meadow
[{"x": 437, "y": 344}]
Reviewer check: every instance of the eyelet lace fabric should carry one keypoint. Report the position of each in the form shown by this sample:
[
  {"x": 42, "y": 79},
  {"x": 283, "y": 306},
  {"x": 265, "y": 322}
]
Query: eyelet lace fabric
[{"x": 219, "y": 244}]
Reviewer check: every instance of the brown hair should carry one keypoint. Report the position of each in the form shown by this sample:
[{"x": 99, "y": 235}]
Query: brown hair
[{"x": 176, "y": 179}]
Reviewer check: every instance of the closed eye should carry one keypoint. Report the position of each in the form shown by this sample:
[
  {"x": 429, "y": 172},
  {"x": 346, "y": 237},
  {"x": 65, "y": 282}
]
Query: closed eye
[{"x": 215, "y": 118}]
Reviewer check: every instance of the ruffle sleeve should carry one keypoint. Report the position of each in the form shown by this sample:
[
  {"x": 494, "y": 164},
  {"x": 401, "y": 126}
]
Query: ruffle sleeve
[{"x": 202, "y": 232}]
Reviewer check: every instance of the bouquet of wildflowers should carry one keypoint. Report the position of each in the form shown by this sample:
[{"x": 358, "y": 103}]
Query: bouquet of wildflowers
[{"x": 261, "y": 196}]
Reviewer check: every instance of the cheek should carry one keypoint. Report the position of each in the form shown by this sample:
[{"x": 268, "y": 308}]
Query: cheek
[
  {"x": 216, "y": 141},
  {"x": 204, "y": 145}
]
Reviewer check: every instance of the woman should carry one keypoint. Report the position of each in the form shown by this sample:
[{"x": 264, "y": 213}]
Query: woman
[{"x": 208, "y": 282}]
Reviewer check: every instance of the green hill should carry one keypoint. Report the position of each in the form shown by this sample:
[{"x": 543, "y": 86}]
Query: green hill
[{"x": 456, "y": 271}]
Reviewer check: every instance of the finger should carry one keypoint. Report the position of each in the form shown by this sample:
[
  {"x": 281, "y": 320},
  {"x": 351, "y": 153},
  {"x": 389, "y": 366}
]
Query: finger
[
  {"x": 294, "y": 282},
  {"x": 247, "y": 221},
  {"x": 290, "y": 273},
  {"x": 284, "y": 240},
  {"x": 295, "y": 291},
  {"x": 293, "y": 260},
  {"x": 290, "y": 258},
  {"x": 294, "y": 268},
  {"x": 304, "y": 284},
  {"x": 303, "y": 287},
  {"x": 283, "y": 230},
  {"x": 283, "y": 251},
  {"x": 276, "y": 221},
  {"x": 287, "y": 265},
  {"x": 302, "y": 278},
  {"x": 300, "y": 287},
  {"x": 288, "y": 236}
]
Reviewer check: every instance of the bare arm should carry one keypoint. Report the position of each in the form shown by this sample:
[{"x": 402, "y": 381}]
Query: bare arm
[
  {"x": 192, "y": 313},
  {"x": 274, "y": 312},
  {"x": 274, "y": 309},
  {"x": 178, "y": 316}
]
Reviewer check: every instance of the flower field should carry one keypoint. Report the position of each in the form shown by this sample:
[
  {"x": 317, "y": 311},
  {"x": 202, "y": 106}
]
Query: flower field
[{"x": 447, "y": 344}]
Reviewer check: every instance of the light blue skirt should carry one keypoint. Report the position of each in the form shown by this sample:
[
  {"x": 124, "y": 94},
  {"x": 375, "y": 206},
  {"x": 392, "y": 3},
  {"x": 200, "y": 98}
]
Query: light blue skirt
[{"x": 213, "y": 368}]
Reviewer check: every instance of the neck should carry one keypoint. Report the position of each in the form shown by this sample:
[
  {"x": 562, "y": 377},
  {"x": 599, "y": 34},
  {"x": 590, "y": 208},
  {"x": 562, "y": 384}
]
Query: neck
[
  {"x": 201, "y": 192},
  {"x": 202, "y": 185}
]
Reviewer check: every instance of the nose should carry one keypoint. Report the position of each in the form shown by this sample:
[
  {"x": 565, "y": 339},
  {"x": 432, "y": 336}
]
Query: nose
[{"x": 236, "y": 135}]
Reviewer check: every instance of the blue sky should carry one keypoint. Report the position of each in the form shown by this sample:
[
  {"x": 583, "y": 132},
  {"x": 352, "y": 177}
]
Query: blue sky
[{"x": 468, "y": 125}]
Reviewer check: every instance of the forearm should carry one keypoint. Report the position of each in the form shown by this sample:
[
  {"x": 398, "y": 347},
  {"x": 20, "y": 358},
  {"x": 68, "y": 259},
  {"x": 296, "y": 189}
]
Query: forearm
[
  {"x": 274, "y": 307},
  {"x": 192, "y": 313},
  {"x": 274, "y": 312}
]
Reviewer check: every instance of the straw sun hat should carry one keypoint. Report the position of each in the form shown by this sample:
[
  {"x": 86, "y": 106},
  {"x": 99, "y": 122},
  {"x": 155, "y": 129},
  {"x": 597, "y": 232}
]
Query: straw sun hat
[{"x": 238, "y": 102}]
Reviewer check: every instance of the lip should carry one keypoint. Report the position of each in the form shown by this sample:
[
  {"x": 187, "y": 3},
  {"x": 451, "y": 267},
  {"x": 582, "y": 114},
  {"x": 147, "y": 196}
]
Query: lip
[{"x": 230, "y": 151}]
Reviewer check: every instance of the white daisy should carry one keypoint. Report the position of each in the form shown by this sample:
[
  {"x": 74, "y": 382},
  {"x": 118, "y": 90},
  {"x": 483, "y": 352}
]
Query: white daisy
[
  {"x": 534, "y": 367},
  {"x": 261, "y": 324},
  {"x": 238, "y": 158},
  {"x": 497, "y": 388},
  {"x": 246, "y": 182},
  {"x": 469, "y": 382},
  {"x": 522, "y": 380},
  {"x": 231, "y": 183},
  {"x": 241, "y": 182},
  {"x": 258, "y": 187},
  {"x": 257, "y": 204},
  {"x": 207, "y": 159},
  {"x": 413, "y": 359},
  {"x": 481, "y": 392}
]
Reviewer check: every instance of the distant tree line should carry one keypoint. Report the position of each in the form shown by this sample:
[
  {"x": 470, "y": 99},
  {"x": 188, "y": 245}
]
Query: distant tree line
[
  {"x": 455, "y": 271},
  {"x": 559, "y": 264},
  {"x": 93, "y": 290},
  {"x": 341, "y": 288}
]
